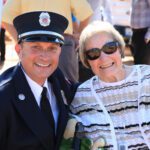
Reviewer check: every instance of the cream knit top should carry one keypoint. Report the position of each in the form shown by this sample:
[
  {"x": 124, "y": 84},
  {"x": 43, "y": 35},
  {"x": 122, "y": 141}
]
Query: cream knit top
[{"x": 118, "y": 111}]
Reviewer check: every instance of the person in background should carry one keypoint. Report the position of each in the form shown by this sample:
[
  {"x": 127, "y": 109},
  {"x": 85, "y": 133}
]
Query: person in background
[
  {"x": 34, "y": 94},
  {"x": 140, "y": 24},
  {"x": 102, "y": 12},
  {"x": 2, "y": 45},
  {"x": 101, "y": 9},
  {"x": 121, "y": 15},
  {"x": 2, "y": 41},
  {"x": 68, "y": 59},
  {"x": 84, "y": 73},
  {"x": 114, "y": 104},
  {"x": 75, "y": 24},
  {"x": 1, "y": 7}
]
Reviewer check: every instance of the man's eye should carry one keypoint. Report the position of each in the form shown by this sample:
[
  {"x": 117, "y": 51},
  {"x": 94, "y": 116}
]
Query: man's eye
[
  {"x": 36, "y": 47},
  {"x": 52, "y": 48}
]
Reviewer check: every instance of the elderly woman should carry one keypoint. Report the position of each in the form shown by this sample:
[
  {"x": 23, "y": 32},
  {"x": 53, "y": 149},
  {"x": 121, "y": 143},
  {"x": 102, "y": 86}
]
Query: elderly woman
[{"x": 114, "y": 104}]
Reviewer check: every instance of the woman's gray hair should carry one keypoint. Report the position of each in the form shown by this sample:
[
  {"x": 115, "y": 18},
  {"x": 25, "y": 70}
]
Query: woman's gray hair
[{"x": 98, "y": 27}]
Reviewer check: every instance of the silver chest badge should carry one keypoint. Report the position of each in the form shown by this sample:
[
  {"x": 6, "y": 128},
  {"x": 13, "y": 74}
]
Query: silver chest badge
[{"x": 44, "y": 19}]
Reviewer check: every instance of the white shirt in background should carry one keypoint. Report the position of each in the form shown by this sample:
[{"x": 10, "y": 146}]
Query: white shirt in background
[{"x": 121, "y": 12}]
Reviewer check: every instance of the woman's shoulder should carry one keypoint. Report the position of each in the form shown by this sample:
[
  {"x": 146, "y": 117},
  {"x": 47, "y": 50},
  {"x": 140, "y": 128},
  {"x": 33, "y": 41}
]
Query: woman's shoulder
[
  {"x": 85, "y": 84},
  {"x": 145, "y": 69},
  {"x": 83, "y": 90},
  {"x": 83, "y": 95}
]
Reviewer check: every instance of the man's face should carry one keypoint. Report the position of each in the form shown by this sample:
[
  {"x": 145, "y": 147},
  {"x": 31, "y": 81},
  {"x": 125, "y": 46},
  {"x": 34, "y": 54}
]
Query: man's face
[{"x": 39, "y": 59}]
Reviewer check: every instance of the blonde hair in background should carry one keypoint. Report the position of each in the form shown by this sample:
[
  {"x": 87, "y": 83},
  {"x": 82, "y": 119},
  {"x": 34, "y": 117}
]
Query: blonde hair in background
[{"x": 94, "y": 28}]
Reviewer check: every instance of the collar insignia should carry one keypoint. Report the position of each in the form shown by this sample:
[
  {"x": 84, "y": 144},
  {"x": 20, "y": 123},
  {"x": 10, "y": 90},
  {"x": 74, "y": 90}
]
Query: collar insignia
[{"x": 21, "y": 97}]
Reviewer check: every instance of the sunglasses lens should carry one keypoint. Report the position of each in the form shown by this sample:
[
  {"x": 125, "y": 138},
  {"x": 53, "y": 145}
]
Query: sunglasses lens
[
  {"x": 110, "y": 48},
  {"x": 93, "y": 54}
]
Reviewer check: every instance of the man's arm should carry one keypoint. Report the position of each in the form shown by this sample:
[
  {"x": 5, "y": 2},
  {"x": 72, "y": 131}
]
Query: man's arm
[
  {"x": 83, "y": 24},
  {"x": 10, "y": 28},
  {"x": 11, "y": 9},
  {"x": 83, "y": 11}
]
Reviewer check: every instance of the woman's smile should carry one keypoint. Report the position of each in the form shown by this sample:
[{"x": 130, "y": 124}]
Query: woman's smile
[{"x": 105, "y": 66}]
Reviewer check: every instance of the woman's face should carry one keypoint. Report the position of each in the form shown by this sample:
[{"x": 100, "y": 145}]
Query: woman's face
[{"x": 108, "y": 67}]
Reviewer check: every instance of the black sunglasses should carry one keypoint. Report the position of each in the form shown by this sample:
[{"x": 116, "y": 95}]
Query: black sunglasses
[{"x": 108, "y": 48}]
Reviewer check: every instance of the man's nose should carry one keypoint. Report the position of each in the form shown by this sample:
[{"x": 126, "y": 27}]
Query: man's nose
[{"x": 45, "y": 53}]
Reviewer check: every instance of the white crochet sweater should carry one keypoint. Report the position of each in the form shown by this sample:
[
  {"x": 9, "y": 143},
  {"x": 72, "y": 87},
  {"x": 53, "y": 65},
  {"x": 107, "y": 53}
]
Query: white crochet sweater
[{"x": 121, "y": 112}]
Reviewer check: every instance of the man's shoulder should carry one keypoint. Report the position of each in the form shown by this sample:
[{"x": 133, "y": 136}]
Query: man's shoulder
[
  {"x": 85, "y": 84},
  {"x": 5, "y": 86},
  {"x": 6, "y": 76},
  {"x": 60, "y": 76},
  {"x": 67, "y": 87}
]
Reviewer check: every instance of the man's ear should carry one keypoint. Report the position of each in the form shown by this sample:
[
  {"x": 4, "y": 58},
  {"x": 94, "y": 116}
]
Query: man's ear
[{"x": 18, "y": 48}]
